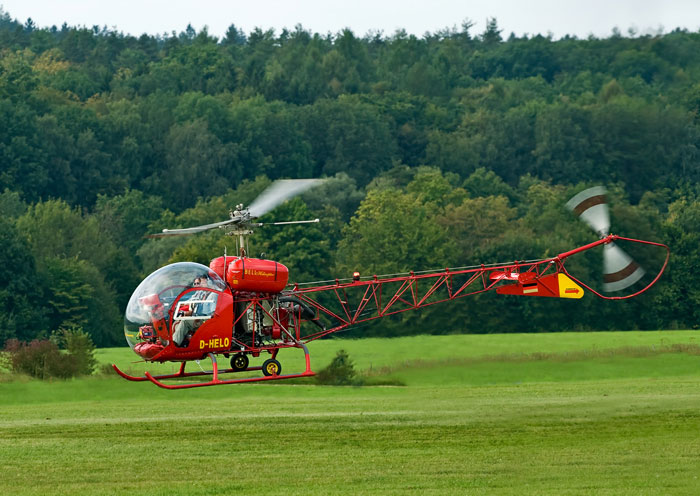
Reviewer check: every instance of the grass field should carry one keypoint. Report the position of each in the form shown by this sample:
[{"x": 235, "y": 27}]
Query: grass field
[{"x": 574, "y": 413}]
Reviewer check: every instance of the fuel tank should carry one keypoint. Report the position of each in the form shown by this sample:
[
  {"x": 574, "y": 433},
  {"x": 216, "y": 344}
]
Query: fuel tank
[{"x": 251, "y": 274}]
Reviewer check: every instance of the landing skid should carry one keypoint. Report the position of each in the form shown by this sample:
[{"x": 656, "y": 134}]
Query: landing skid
[{"x": 215, "y": 372}]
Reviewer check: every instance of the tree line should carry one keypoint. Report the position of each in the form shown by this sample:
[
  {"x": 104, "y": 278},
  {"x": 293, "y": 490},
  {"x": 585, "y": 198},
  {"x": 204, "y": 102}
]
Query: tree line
[{"x": 449, "y": 149}]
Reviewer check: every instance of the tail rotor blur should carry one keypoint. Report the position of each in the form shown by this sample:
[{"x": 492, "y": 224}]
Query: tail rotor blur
[
  {"x": 591, "y": 206},
  {"x": 620, "y": 271}
]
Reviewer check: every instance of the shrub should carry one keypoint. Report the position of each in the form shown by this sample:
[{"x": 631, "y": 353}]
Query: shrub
[
  {"x": 44, "y": 359},
  {"x": 340, "y": 372},
  {"x": 39, "y": 358},
  {"x": 79, "y": 347}
]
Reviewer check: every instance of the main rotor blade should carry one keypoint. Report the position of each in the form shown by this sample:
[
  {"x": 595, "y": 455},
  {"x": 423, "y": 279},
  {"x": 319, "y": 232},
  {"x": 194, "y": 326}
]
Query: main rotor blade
[
  {"x": 192, "y": 230},
  {"x": 591, "y": 206},
  {"x": 278, "y": 192},
  {"x": 619, "y": 270},
  {"x": 287, "y": 222}
]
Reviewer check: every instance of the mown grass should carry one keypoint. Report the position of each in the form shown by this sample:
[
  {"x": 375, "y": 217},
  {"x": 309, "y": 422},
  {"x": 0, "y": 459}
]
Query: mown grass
[
  {"x": 373, "y": 354},
  {"x": 589, "y": 414}
]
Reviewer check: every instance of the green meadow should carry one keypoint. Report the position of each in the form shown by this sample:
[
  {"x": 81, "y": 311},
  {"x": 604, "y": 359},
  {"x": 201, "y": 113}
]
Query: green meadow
[{"x": 565, "y": 413}]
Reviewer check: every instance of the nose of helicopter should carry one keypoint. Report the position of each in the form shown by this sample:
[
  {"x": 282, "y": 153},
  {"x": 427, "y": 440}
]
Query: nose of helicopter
[
  {"x": 149, "y": 311},
  {"x": 148, "y": 350}
]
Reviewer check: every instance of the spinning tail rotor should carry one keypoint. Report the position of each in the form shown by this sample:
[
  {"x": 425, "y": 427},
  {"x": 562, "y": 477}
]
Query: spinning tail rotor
[
  {"x": 620, "y": 271},
  {"x": 591, "y": 206}
]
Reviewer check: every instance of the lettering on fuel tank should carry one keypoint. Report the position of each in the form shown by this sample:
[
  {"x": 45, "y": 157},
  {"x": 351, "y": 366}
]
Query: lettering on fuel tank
[
  {"x": 214, "y": 343},
  {"x": 259, "y": 273}
]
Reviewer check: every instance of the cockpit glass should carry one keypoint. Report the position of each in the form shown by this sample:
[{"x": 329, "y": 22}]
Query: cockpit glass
[{"x": 151, "y": 302}]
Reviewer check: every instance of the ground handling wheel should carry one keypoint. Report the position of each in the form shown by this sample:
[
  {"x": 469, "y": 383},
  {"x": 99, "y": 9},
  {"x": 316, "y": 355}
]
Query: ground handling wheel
[
  {"x": 271, "y": 367},
  {"x": 239, "y": 362}
]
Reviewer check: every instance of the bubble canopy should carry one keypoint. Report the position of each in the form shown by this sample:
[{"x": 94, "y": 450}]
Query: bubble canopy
[{"x": 158, "y": 292}]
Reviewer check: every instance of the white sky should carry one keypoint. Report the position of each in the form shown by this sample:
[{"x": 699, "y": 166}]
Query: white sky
[{"x": 558, "y": 17}]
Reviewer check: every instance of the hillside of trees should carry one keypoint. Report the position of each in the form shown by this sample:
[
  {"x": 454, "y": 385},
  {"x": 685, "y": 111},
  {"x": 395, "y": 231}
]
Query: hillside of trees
[{"x": 450, "y": 149}]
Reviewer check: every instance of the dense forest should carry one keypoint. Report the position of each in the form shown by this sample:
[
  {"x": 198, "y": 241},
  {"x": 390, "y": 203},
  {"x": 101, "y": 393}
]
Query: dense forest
[{"x": 450, "y": 149}]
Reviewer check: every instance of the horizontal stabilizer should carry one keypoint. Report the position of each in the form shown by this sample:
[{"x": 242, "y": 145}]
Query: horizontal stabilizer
[{"x": 552, "y": 285}]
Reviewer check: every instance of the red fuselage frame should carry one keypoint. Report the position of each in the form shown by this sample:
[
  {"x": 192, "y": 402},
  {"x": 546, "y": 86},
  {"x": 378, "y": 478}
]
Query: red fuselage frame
[{"x": 345, "y": 303}]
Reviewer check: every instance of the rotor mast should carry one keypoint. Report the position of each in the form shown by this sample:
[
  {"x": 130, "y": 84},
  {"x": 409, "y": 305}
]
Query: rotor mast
[{"x": 242, "y": 230}]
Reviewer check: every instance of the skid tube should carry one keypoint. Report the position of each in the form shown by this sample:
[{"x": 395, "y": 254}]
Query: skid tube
[{"x": 215, "y": 381}]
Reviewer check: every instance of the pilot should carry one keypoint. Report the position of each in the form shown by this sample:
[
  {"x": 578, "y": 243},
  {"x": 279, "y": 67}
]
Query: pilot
[{"x": 205, "y": 304}]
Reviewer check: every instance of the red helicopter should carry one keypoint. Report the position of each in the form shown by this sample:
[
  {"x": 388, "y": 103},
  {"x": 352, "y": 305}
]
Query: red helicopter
[{"x": 240, "y": 306}]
